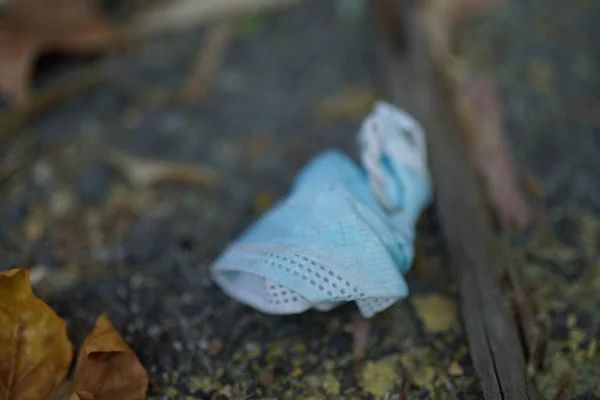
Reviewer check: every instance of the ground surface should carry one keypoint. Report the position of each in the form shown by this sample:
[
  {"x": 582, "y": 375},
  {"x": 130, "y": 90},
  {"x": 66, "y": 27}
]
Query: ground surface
[{"x": 142, "y": 255}]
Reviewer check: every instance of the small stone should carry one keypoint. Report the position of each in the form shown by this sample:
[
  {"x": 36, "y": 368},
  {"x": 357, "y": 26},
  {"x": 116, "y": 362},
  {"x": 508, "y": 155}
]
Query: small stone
[
  {"x": 34, "y": 226},
  {"x": 42, "y": 173},
  {"x": 253, "y": 350},
  {"x": 455, "y": 369},
  {"x": 61, "y": 202},
  {"x": 226, "y": 391}
]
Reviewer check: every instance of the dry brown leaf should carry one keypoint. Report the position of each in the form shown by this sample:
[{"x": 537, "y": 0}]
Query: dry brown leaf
[
  {"x": 81, "y": 395},
  {"x": 29, "y": 28},
  {"x": 107, "y": 368},
  {"x": 35, "y": 353},
  {"x": 142, "y": 172}
]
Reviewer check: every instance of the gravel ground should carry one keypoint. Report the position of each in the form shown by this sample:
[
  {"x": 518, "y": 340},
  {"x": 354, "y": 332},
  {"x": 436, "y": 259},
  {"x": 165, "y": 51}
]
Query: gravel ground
[{"x": 142, "y": 255}]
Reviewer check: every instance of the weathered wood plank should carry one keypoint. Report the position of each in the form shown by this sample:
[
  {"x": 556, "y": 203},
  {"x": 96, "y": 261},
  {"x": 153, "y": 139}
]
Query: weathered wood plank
[{"x": 415, "y": 85}]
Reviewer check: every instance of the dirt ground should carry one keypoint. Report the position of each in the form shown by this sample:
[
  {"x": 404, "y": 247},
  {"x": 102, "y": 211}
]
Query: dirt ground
[{"x": 142, "y": 255}]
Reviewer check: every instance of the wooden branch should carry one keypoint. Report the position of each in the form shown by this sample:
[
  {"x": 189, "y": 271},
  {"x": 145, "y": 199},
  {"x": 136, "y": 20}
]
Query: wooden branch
[
  {"x": 417, "y": 87},
  {"x": 214, "y": 49},
  {"x": 179, "y": 15}
]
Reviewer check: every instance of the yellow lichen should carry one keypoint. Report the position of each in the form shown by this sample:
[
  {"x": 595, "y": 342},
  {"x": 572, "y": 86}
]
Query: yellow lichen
[
  {"x": 379, "y": 378},
  {"x": 436, "y": 312},
  {"x": 196, "y": 383},
  {"x": 331, "y": 385}
]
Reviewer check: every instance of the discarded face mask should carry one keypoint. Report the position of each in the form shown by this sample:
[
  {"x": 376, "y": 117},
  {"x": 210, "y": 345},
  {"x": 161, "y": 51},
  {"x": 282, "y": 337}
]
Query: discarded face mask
[{"x": 343, "y": 233}]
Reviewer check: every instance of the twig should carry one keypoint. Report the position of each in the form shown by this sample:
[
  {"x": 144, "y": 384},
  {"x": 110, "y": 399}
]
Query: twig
[
  {"x": 406, "y": 386},
  {"x": 142, "y": 172},
  {"x": 182, "y": 14},
  {"x": 208, "y": 62},
  {"x": 493, "y": 337}
]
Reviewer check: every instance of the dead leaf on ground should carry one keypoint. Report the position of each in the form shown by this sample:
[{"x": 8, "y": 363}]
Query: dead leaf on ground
[
  {"x": 141, "y": 172},
  {"x": 35, "y": 353},
  {"x": 29, "y": 28},
  {"x": 350, "y": 104},
  {"x": 107, "y": 368},
  {"x": 82, "y": 396}
]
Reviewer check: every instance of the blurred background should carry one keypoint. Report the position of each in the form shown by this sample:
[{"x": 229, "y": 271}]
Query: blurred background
[{"x": 136, "y": 144}]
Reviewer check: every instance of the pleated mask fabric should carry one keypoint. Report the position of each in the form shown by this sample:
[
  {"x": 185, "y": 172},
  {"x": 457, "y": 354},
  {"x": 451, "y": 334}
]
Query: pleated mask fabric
[{"x": 344, "y": 233}]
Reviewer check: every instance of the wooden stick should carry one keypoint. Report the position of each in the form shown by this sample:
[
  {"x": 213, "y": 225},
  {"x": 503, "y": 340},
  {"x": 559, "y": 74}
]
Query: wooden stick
[
  {"x": 183, "y": 14},
  {"x": 494, "y": 342},
  {"x": 209, "y": 60}
]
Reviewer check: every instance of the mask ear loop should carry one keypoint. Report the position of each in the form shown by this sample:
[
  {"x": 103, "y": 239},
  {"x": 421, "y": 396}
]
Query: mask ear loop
[
  {"x": 371, "y": 140},
  {"x": 391, "y": 141}
]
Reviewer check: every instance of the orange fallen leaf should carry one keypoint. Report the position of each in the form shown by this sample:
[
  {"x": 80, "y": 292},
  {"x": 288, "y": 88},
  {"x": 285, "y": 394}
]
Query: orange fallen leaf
[
  {"x": 29, "y": 28},
  {"x": 107, "y": 369},
  {"x": 81, "y": 395},
  {"x": 35, "y": 353}
]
